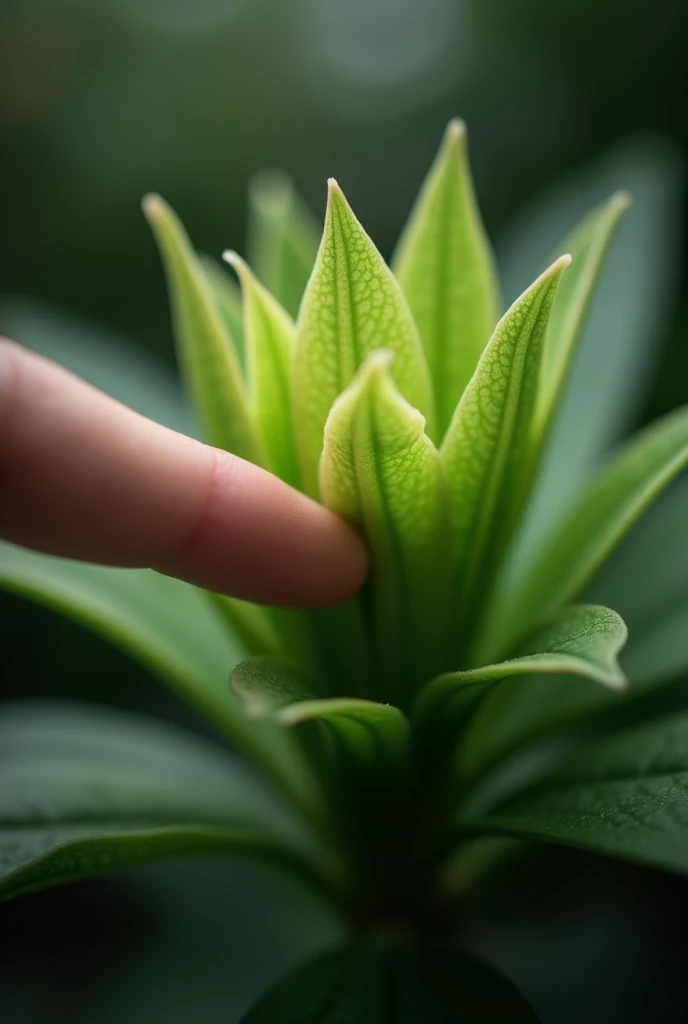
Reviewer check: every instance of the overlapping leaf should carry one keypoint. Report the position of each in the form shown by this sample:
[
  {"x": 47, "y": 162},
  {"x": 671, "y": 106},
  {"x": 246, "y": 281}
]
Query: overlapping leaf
[
  {"x": 367, "y": 733},
  {"x": 486, "y": 447},
  {"x": 446, "y": 270},
  {"x": 227, "y": 295},
  {"x": 381, "y": 471},
  {"x": 207, "y": 356},
  {"x": 598, "y": 520},
  {"x": 352, "y": 306},
  {"x": 627, "y": 797},
  {"x": 84, "y": 791},
  {"x": 583, "y": 640},
  {"x": 268, "y": 341}
]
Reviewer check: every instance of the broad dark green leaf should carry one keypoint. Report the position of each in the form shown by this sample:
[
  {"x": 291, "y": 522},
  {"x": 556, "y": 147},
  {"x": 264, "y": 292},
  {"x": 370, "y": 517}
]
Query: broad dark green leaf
[
  {"x": 627, "y": 797},
  {"x": 207, "y": 356},
  {"x": 594, "y": 525},
  {"x": 352, "y": 306},
  {"x": 381, "y": 472},
  {"x": 446, "y": 270},
  {"x": 282, "y": 238},
  {"x": 84, "y": 791},
  {"x": 368, "y": 732},
  {"x": 227, "y": 296},
  {"x": 486, "y": 447},
  {"x": 269, "y": 341},
  {"x": 583, "y": 640},
  {"x": 393, "y": 982},
  {"x": 167, "y": 625}
]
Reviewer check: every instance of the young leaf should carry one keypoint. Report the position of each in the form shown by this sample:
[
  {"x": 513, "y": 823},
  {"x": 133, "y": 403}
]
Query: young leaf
[
  {"x": 85, "y": 791},
  {"x": 618, "y": 350},
  {"x": 588, "y": 246},
  {"x": 368, "y": 732},
  {"x": 583, "y": 640},
  {"x": 227, "y": 295},
  {"x": 445, "y": 267},
  {"x": 269, "y": 342},
  {"x": 381, "y": 471},
  {"x": 169, "y": 627},
  {"x": 206, "y": 353},
  {"x": 595, "y": 524},
  {"x": 352, "y": 306},
  {"x": 626, "y": 797},
  {"x": 392, "y": 982},
  {"x": 282, "y": 238},
  {"x": 486, "y": 447}
]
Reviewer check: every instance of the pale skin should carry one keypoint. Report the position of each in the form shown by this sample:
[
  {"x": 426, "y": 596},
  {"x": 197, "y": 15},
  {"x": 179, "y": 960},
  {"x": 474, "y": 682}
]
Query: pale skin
[{"x": 84, "y": 477}]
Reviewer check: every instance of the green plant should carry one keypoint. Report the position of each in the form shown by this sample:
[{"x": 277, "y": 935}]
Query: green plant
[{"x": 389, "y": 726}]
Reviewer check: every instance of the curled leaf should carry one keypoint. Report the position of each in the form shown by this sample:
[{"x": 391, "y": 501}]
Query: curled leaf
[
  {"x": 381, "y": 471},
  {"x": 352, "y": 305}
]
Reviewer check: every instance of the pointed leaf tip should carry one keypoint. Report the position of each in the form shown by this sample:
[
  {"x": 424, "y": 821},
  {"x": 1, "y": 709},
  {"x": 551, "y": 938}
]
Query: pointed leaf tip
[
  {"x": 445, "y": 267},
  {"x": 352, "y": 306},
  {"x": 209, "y": 363}
]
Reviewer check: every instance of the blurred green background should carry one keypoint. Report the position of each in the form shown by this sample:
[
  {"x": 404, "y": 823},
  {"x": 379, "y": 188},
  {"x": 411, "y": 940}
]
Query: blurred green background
[{"x": 104, "y": 100}]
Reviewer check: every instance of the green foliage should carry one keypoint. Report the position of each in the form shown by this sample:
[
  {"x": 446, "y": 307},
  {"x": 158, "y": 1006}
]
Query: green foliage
[
  {"x": 423, "y": 981},
  {"x": 396, "y": 401}
]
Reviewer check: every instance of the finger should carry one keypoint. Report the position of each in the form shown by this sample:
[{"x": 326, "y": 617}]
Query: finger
[{"x": 85, "y": 477}]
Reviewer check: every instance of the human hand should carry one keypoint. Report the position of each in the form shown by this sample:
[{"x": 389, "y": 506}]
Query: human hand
[{"x": 85, "y": 477}]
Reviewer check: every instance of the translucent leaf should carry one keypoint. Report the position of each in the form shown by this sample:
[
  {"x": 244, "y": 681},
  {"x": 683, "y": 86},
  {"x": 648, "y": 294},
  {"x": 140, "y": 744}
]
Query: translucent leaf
[
  {"x": 627, "y": 797},
  {"x": 583, "y": 640},
  {"x": 282, "y": 238},
  {"x": 381, "y": 471},
  {"x": 269, "y": 341},
  {"x": 445, "y": 267},
  {"x": 227, "y": 295},
  {"x": 85, "y": 791},
  {"x": 486, "y": 447},
  {"x": 206, "y": 353},
  {"x": 596, "y": 522},
  {"x": 352, "y": 306},
  {"x": 392, "y": 982}
]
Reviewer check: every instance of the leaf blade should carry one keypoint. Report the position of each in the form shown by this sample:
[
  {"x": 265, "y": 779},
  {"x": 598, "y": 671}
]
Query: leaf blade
[
  {"x": 282, "y": 238},
  {"x": 485, "y": 448},
  {"x": 446, "y": 270},
  {"x": 269, "y": 341},
  {"x": 209, "y": 362},
  {"x": 627, "y": 797},
  {"x": 85, "y": 790},
  {"x": 166, "y": 625},
  {"x": 381, "y": 471},
  {"x": 599, "y": 519},
  {"x": 582, "y": 640},
  {"x": 393, "y": 982},
  {"x": 352, "y": 306}
]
